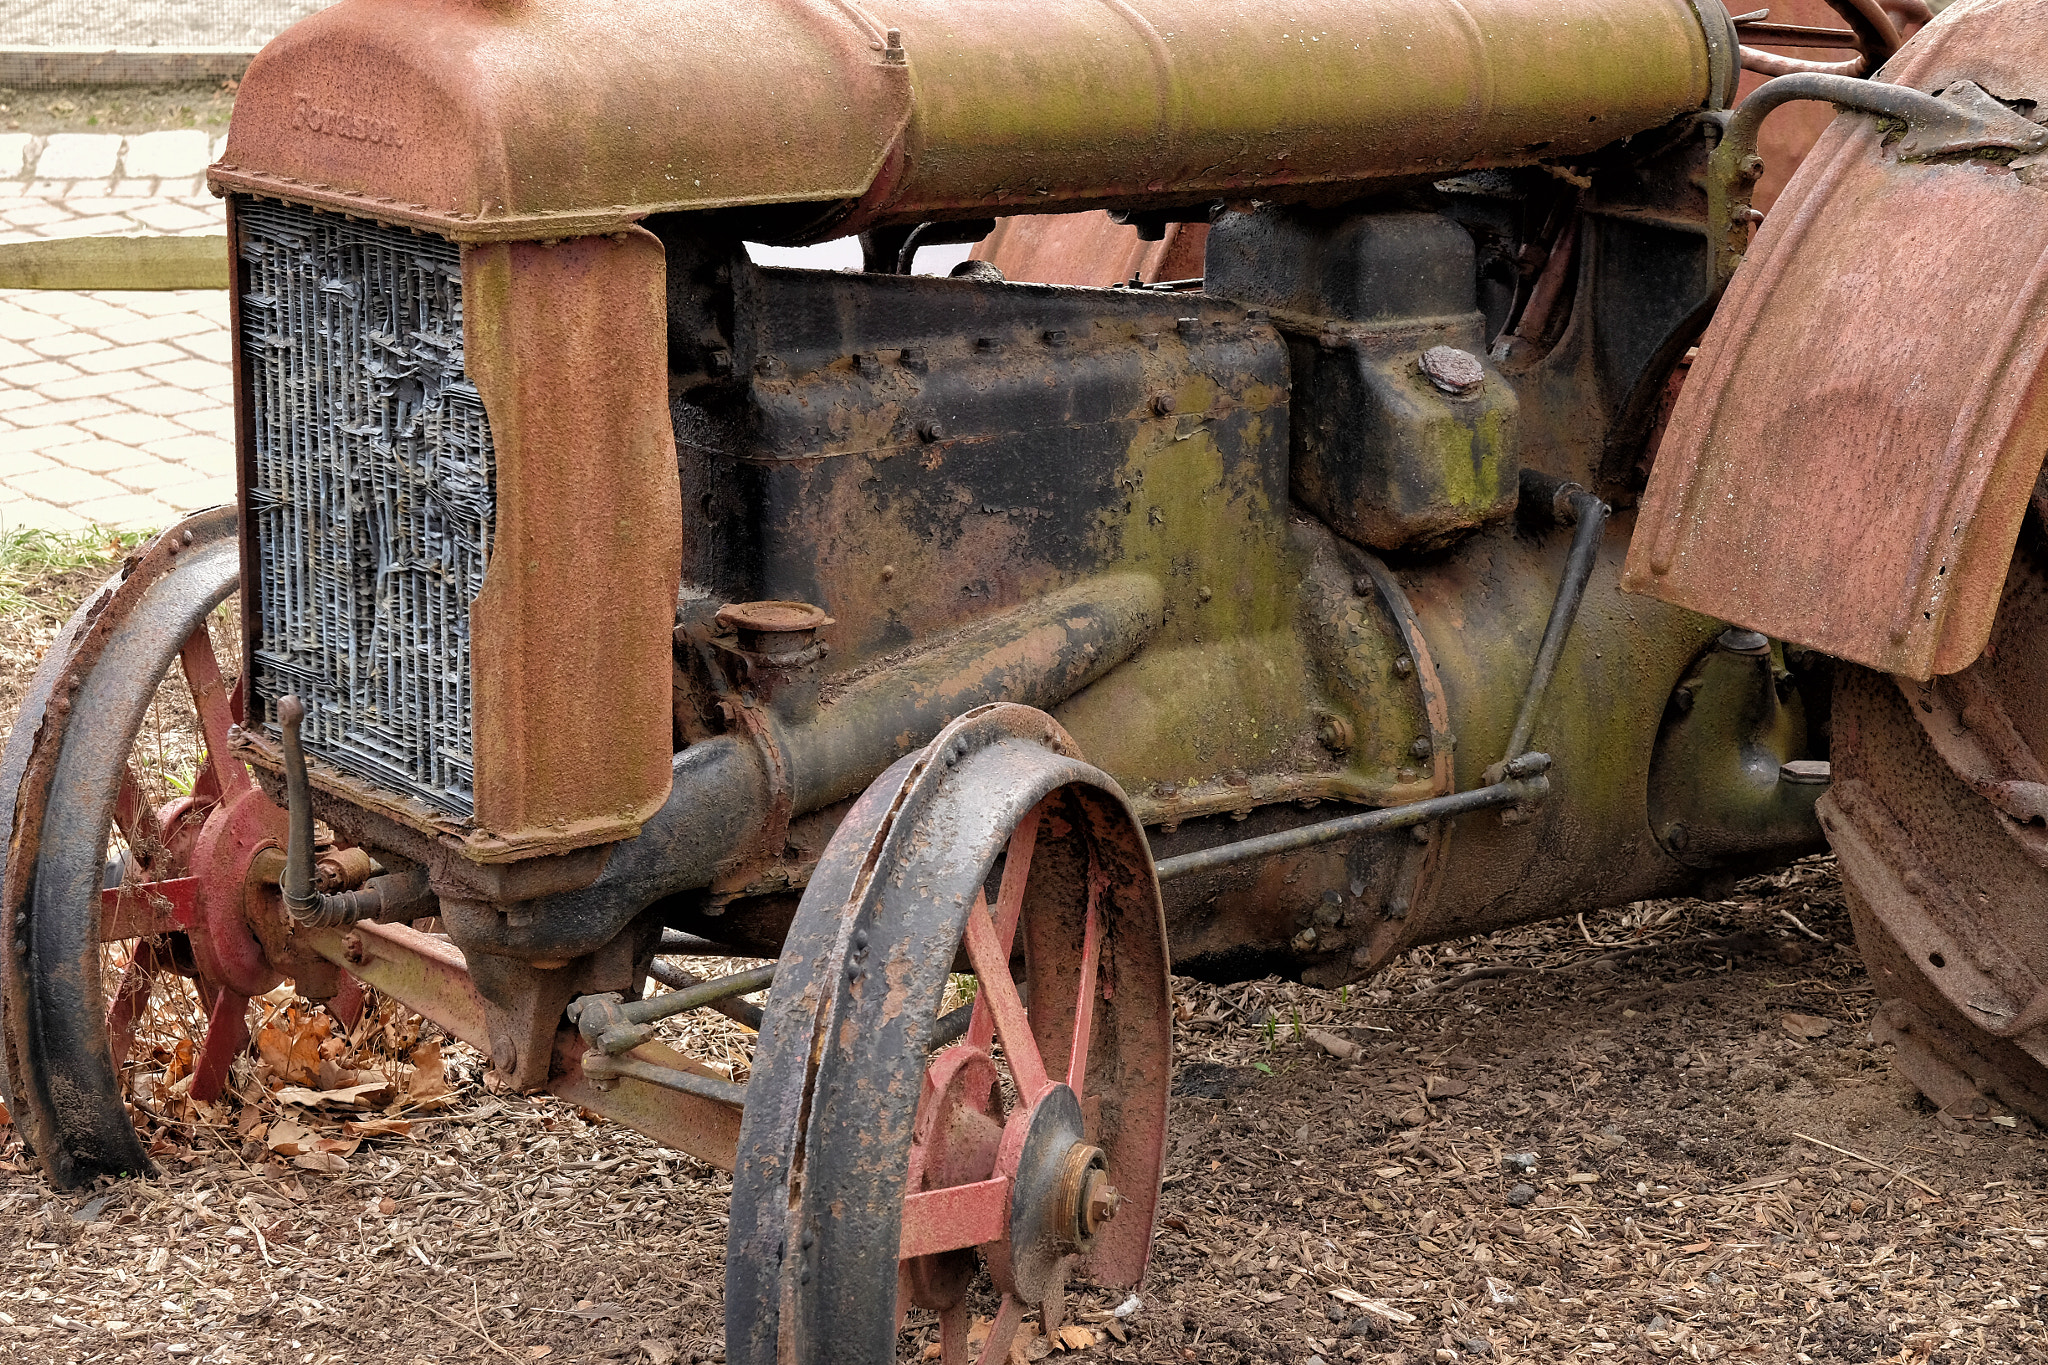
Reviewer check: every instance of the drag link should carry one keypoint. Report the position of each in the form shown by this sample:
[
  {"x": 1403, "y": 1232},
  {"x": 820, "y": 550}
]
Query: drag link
[
  {"x": 612, "y": 1024},
  {"x": 678, "y": 979}
]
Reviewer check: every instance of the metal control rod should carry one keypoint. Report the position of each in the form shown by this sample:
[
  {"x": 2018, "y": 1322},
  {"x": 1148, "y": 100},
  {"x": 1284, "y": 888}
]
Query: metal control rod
[
  {"x": 603, "y": 1070},
  {"x": 1525, "y": 781},
  {"x": 1571, "y": 503}
]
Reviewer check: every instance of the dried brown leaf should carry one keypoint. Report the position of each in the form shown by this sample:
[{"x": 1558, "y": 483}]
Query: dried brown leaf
[
  {"x": 329, "y": 1162},
  {"x": 1806, "y": 1025},
  {"x": 364, "y": 1096}
]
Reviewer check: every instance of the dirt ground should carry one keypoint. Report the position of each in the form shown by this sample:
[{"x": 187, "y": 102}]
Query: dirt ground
[{"x": 1660, "y": 1132}]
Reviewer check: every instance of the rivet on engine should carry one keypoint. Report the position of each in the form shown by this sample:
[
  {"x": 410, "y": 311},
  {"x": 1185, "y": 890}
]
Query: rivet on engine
[
  {"x": 1203, "y": 594},
  {"x": 988, "y": 346},
  {"x": 1187, "y": 326},
  {"x": 1163, "y": 404},
  {"x": 888, "y": 572},
  {"x": 1362, "y": 585},
  {"x": 929, "y": 431},
  {"x": 1055, "y": 337},
  {"x": 1422, "y": 747},
  {"x": 1403, "y": 666}
]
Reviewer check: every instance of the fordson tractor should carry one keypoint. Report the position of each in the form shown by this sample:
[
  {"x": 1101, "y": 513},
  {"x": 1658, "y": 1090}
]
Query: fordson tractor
[{"x": 1382, "y": 477}]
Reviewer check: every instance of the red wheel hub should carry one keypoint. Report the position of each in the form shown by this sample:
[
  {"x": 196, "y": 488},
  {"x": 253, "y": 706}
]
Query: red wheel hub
[{"x": 237, "y": 910}]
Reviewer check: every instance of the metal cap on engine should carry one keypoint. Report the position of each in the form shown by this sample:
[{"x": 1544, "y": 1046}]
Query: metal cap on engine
[{"x": 774, "y": 630}]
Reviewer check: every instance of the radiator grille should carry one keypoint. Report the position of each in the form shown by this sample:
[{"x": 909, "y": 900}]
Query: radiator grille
[{"x": 371, "y": 493}]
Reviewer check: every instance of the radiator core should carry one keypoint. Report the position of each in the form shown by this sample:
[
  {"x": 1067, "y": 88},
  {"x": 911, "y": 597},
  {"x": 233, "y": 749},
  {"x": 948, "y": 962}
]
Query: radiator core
[{"x": 370, "y": 494}]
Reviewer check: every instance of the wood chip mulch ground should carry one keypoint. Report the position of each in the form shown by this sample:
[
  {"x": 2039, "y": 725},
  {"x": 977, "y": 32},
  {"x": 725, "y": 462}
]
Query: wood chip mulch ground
[{"x": 1658, "y": 1133}]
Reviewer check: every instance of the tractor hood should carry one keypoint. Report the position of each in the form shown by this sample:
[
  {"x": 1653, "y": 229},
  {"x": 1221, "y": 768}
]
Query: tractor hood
[{"x": 496, "y": 119}]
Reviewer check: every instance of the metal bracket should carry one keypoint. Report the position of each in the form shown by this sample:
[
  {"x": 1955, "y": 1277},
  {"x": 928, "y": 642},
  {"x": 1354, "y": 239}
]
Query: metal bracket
[{"x": 1963, "y": 120}]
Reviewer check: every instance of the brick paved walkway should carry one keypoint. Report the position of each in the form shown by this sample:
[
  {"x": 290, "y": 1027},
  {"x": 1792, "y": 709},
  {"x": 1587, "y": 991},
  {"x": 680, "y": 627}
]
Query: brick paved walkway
[{"x": 114, "y": 407}]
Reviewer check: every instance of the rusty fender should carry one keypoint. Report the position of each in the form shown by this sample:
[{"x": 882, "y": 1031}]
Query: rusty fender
[
  {"x": 1851, "y": 457},
  {"x": 724, "y": 787}
]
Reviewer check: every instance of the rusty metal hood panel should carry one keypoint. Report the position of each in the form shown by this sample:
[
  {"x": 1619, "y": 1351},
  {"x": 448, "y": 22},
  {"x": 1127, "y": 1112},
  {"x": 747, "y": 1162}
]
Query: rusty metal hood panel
[
  {"x": 1852, "y": 456},
  {"x": 525, "y": 118},
  {"x": 462, "y": 113}
]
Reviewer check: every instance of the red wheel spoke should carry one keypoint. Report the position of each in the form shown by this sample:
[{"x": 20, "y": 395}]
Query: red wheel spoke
[
  {"x": 1084, "y": 1007},
  {"x": 227, "y": 1037},
  {"x": 955, "y": 1217},
  {"x": 148, "y": 909},
  {"x": 216, "y": 713},
  {"x": 1008, "y": 1319},
  {"x": 130, "y": 1000},
  {"x": 347, "y": 1004},
  {"x": 1009, "y": 903},
  {"x": 998, "y": 992},
  {"x": 954, "y": 1324}
]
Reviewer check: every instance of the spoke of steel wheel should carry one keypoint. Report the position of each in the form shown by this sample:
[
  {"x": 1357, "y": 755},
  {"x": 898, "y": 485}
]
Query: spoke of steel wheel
[
  {"x": 954, "y": 1324},
  {"x": 1009, "y": 902},
  {"x": 210, "y": 696},
  {"x": 1084, "y": 1005},
  {"x": 147, "y": 909},
  {"x": 1008, "y": 1319},
  {"x": 992, "y": 965},
  {"x": 953, "y": 1217},
  {"x": 227, "y": 1036},
  {"x": 130, "y": 1000}
]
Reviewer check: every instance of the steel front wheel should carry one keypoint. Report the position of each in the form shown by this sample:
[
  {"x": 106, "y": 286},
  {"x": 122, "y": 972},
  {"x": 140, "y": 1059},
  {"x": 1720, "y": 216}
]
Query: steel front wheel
[
  {"x": 882, "y": 1166},
  {"x": 1939, "y": 818},
  {"x": 129, "y": 968}
]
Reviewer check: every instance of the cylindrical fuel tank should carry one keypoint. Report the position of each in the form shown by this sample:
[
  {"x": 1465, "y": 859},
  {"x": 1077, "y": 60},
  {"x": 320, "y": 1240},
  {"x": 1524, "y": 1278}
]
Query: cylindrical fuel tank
[{"x": 539, "y": 118}]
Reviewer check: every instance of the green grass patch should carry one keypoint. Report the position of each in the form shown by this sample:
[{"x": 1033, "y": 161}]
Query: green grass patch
[{"x": 31, "y": 560}]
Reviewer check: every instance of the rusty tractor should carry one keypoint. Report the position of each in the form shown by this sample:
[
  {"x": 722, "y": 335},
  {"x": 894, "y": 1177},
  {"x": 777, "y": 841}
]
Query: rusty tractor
[{"x": 1381, "y": 477}]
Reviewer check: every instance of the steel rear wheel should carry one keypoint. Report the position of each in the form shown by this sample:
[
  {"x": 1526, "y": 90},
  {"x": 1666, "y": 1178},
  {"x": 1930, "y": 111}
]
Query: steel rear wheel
[
  {"x": 130, "y": 965},
  {"x": 877, "y": 1173},
  {"x": 1939, "y": 818}
]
